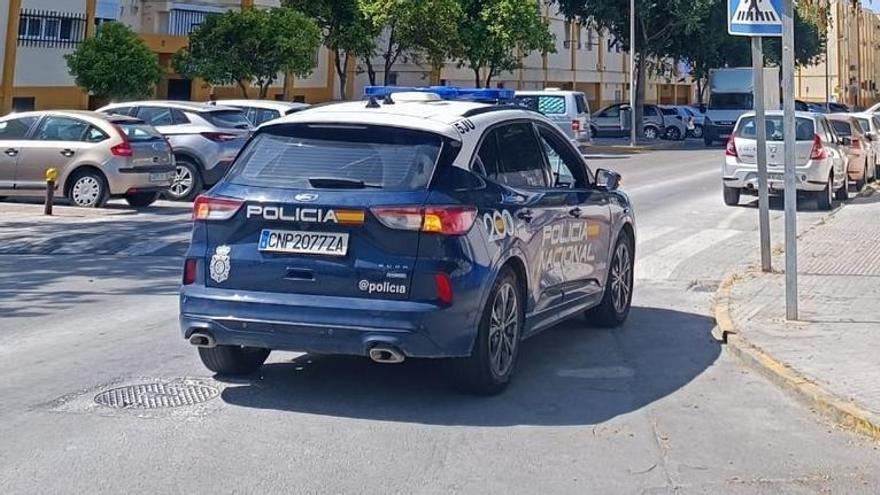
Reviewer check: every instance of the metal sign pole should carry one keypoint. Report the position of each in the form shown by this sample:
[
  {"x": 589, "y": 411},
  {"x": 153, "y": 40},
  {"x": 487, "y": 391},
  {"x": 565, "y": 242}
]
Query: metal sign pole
[
  {"x": 761, "y": 129},
  {"x": 632, "y": 72},
  {"x": 791, "y": 300}
]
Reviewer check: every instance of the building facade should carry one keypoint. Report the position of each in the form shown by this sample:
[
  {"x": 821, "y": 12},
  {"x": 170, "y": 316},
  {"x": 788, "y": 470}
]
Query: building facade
[
  {"x": 36, "y": 35},
  {"x": 849, "y": 72}
]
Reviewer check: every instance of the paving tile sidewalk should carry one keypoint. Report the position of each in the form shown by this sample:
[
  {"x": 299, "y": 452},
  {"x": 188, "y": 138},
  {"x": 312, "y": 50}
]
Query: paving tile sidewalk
[{"x": 834, "y": 350}]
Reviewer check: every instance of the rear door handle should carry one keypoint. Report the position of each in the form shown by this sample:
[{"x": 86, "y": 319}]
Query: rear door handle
[
  {"x": 525, "y": 215},
  {"x": 68, "y": 152},
  {"x": 11, "y": 151},
  {"x": 575, "y": 212}
]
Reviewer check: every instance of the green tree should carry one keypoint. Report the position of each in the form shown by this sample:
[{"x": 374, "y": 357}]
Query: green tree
[
  {"x": 250, "y": 46},
  {"x": 413, "y": 27},
  {"x": 115, "y": 64},
  {"x": 658, "y": 23},
  {"x": 345, "y": 31},
  {"x": 497, "y": 34}
]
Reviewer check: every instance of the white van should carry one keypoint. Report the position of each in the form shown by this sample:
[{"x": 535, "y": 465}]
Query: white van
[{"x": 567, "y": 109}]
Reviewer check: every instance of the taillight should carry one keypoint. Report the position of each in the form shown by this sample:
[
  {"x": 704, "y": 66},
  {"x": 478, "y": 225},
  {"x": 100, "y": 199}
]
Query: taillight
[
  {"x": 123, "y": 148},
  {"x": 208, "y": 208},
  {"x": 576, "y": 125},
  {"x": 189, "y": 271},
  {"x": 448, "y": 220},
  {"x": 731, "y": 147},
  {"x": 444, "y": 288},
  {"x": 220, "y": 137},
  {"x": 818, "y": 152}
]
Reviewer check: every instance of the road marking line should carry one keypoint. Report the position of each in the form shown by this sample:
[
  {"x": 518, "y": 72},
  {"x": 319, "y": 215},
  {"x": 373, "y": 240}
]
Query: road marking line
[{"x": 662, "y": 264}]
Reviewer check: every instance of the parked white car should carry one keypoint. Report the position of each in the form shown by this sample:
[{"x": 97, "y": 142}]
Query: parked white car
[
  {"x": 261, "y": 111},
  {"x": 821, "y": 164},
  {"x": 870, "y": 123}
]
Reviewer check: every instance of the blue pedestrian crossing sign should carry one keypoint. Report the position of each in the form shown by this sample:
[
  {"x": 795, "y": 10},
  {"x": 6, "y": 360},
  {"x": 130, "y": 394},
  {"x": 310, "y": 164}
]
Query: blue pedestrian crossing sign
[{"x": 754, "y": 17}]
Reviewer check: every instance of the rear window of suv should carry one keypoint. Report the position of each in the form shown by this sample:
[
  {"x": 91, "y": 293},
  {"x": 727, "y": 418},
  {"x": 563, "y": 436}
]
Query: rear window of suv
[
  {"x": 358, "y": 156},
  {"x": 230, "y": 119},
  {"x": 546, "y": 104},
  {"x": 805, "y": 129}
]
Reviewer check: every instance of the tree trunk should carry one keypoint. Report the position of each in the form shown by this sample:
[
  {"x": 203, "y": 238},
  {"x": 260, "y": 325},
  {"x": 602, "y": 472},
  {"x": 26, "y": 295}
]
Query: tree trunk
[
  {"x": 340, "y": 71},
  {"x": 244, "y": 91},
  {"x": 489, "y": 76},
  {"x": 640, "y": 93},
  {"x": 371, "y": 71},
  {"x": 264, "y": 89},
  {"x": 476, "y": 76},
  {"x": 389, "y": 57}
]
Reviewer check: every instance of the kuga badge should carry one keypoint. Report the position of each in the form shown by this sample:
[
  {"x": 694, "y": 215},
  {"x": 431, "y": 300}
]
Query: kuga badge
[{"x": 220, "y": 264}]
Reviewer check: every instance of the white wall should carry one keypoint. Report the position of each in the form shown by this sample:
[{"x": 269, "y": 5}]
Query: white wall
[{"x": 56, "y": 5}]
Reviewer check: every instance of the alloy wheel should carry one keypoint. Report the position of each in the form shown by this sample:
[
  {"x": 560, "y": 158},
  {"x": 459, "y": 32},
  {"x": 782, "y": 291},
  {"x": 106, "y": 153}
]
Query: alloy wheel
[
  {"x": 182, "y": 183},
  {"x": 621, "y": 278},
  {"x": 504, "y": 327}
]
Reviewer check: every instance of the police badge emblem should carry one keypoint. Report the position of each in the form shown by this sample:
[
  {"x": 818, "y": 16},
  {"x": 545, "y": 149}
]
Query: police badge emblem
[{"x": 220, "y": 264}]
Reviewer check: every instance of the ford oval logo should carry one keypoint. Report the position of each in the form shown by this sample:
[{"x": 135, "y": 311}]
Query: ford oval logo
[{"x": 305, "y": 197}]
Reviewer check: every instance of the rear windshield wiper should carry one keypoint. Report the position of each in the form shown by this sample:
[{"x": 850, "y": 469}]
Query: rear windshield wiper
[{"x": 336, "y": 183}]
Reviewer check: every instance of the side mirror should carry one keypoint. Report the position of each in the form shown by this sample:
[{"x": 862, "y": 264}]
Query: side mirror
[
  {"x": 846, "y": 141},
  {"x": 607, "y": 180},
  {"x": 870, "y": 136}
]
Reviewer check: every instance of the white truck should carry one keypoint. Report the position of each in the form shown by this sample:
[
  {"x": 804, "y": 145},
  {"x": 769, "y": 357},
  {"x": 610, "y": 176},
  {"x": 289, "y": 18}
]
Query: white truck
[{"x": 731, "y": 94}]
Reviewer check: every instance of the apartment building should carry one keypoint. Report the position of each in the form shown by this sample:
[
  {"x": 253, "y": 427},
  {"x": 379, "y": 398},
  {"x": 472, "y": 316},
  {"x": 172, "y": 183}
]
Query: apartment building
[
  {"x": 850, "y": 70},
  {"x": 38, "y": 33}
]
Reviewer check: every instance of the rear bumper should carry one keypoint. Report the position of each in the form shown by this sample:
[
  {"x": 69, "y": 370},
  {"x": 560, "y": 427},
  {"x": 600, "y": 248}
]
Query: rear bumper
[
  {"x": 810, "y": 178},
  {"x": 325, "y": 324},
  {"x": 128, "y": 178},
  {"x": 717, "y": 132}
]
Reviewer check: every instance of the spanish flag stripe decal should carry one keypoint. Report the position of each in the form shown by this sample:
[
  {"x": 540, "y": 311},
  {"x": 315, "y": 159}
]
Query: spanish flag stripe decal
[{"x": 350, "y": 217}]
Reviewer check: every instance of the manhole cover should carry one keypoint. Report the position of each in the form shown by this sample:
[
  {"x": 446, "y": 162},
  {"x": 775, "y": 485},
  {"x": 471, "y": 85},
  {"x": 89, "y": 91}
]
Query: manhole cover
[{"x": 157, "y": 395}]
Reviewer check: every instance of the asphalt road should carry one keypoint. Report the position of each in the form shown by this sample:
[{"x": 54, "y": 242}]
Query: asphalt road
[{"x": 89, "y": 304}]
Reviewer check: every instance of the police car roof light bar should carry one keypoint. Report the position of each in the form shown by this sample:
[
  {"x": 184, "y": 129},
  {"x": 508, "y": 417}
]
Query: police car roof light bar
[{"x": 444, "y": 92}]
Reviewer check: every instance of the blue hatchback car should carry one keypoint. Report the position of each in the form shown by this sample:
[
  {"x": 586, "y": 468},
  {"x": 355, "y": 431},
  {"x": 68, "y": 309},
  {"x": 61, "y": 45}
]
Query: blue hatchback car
[{"x": 418, "y": 224}]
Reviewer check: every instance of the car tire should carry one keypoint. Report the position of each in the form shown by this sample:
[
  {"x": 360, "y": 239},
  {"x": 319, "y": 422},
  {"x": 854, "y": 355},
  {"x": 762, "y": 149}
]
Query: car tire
[
  {"x": 842, "y": 194},
  {"x": 651, "y": 133},
  {"x": 233, "y": 359},
  {"x": 614, "y": 308},
  {"x": 488, "y": 372},
  {"x": 673, "y": 133},
  {"x": 731, "y": 195},
  {"x": 860, "y": 184},
  {"x": 697, "y": 133},
  {"x": 142, "y": 199},
  {"x": 187, "y": 183},
  {"x": 825, "y": 197},
  {"x": 88, "y": 189}
]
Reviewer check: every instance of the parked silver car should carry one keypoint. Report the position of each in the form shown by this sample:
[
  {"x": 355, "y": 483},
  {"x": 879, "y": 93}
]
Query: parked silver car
[
  {"x": 821, "y": 162},
  {"x": 615, "y": 120},
  {"x": 870, "y": 123},
  {"x": 679, "y": 123},
  {"x": 205, "y": 139},
  {"x": 96, "y": 156},
  {"x": 260, "y": 111},
  {"x": 569, "y": 110}
]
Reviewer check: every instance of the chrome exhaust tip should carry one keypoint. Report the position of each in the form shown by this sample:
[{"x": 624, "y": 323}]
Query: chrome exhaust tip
[
  {"x": 386, "y": 354},
  {"x": 199, "y": 339}
]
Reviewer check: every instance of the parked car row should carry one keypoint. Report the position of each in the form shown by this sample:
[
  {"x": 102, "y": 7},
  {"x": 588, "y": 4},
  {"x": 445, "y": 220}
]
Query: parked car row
[
  {"x": 836, "y": 153},
  {"x": 134, "y": 150},
  {"x": 660, "y": 122}
]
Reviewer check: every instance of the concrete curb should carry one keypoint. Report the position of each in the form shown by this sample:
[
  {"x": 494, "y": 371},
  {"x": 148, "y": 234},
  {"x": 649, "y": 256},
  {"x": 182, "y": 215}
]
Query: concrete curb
[{"x": 840, "y": 410}]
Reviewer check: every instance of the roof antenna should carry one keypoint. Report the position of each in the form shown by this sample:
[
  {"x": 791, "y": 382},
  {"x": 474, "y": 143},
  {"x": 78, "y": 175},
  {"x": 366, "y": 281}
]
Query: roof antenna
[
  {"x": 372, "y": 103},
  {"x": 387, "y": 100}
]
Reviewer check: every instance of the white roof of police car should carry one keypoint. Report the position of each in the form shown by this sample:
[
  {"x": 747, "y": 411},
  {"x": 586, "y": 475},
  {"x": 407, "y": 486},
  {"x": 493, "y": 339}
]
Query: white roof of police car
[
  {"x": 281, "y": 106},
  {"x": 192, "y": 106},
  {"x": 434, "y": 116}
]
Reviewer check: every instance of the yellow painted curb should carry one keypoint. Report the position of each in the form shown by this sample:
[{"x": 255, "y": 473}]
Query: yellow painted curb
[{"x": 845, "y": 413}]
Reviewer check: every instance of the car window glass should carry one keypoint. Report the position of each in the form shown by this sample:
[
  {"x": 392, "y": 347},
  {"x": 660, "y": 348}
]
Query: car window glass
[
  {"x": 842, "y": 128},
  {"x": 140, "y": 132},
  {"x": 669, "y": 111},
  {"x": 61, "y": 129},
  {"x": 876, "y": 121},
  {"x": 95, "y": 135},
  {"x": 178, "y": 117},
  {"x": 266, "y": 115},
  {"x": 804, "y": 128},
  {"x": 522, "y": 162},
  {"x": 546, "y": 104},
  {"x": 864, "y": 125},
  {"x": 156, "y": 116},
  {"x": 825, "y": 133},
  {"x": 487, "y": 161},
  {"x": 250, "y": 113},
  {"x": 16, "y": 128},
  {"x": 230, "y": 119},
  {"x": 650, "y": 111},
  {"x": 120, "y": 111},
  {"x": 611, "y": 112},
  {"x": 581, "y": 103},
  {"x": 567, "y": 169}
]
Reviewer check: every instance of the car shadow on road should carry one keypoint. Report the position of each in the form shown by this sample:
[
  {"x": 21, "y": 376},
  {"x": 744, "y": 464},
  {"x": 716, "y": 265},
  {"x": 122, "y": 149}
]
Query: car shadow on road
[{"x": 569, "y": 375}]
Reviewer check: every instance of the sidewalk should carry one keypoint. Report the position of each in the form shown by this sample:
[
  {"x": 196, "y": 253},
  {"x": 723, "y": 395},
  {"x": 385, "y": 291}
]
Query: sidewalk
[
  {"x": 33, "y": 210},
  {"x": 622, "y": 146},
  {"x": 831, "y": 357}
]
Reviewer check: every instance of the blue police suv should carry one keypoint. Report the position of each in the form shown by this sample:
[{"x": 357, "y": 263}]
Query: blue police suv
[{"x": 421, "y": 223}]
